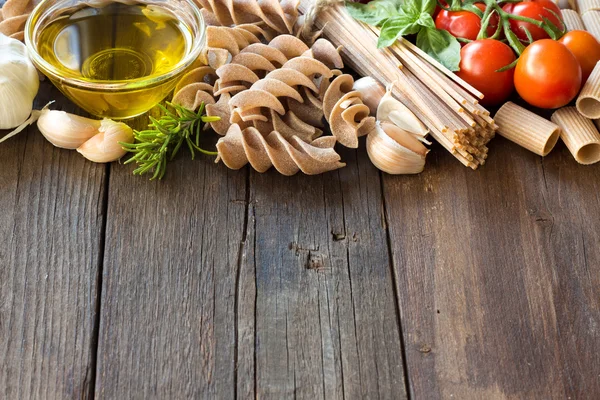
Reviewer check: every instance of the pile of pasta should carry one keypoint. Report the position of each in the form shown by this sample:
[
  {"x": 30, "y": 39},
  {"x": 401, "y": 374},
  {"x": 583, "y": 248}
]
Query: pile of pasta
[
  {"x": 447, "y": 105},
  {"x": 272, "y": 99},
  {"x": 583, "y": 15},
  {"x": 13, "y": 16},
  {"x": 275, "y": 16}
]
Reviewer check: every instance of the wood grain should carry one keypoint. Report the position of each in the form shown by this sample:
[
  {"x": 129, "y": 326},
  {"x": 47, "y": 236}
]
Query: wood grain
[
  {"x": 326, "y": 320},
  {"x": 276, "y": 287},
  {"x": 499, "y": 276},
  {"x": 50, "y": 242},
  {"x": 169, "y": 283}
]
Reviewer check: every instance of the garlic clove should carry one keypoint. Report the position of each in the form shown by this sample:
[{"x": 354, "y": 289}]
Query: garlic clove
[
  {"x": 372, "y": 92},
  {"x": 395, "y": 151},
  {"x": 404, "y": 138},
  {"x": 66, "y": 130},
  {"x": 392, "y": 110},
  {"x": 105, "y": 146}
]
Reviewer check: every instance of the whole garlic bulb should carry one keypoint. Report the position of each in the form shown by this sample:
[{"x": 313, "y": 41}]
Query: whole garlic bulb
[
  {"x": 394, "y": 150},
  {"x": 105, "y": 146},
  {"x": 19, "y": 83}
]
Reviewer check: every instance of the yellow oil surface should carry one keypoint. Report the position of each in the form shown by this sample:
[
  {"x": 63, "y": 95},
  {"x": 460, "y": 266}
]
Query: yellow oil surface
[{"x": 115, "y": 44}]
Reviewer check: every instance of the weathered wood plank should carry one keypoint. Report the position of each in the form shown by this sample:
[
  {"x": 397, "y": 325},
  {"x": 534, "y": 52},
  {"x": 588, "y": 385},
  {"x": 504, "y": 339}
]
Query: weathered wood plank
[
  {"x": 499, "y": 276},
  {"x": 50, "y": 243},
  {"x": 168, "y": 312},
  {"x": 202, "y": 300},
  {"x": 326, "y": 319}
]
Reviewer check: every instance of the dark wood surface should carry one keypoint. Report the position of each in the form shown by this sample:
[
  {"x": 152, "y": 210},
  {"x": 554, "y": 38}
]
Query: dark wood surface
[
  {"x": 51, "y": 242},
  {"x": 354, "y": 284}
]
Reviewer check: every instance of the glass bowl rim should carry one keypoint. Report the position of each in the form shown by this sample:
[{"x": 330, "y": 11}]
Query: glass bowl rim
[{"x": 97, "y": 85}]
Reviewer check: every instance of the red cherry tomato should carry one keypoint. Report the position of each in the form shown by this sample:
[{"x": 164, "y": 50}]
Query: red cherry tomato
[
  {"x": 479, "y": 62},
  {"x": 465, "y": 24},
  {"x": 586, "y": 49},
  {"x": 438, "y": 8},
  {"x": 547, "y": 74},
  {"x": 538, "y": 10}
]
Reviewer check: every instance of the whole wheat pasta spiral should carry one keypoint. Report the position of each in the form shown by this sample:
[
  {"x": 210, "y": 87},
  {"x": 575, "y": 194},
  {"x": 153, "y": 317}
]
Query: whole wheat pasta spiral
[
  {"x": 240, "y": 147},
  {"x": 13, "y": 16},
  {"x": 274, "y": 97},
  {"x": 277, "y": 16}
]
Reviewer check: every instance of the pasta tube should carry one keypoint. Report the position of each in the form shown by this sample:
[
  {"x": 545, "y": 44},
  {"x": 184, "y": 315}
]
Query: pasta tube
[
  {"x": 579, "y": 134},
  {"x": 591, "y": 20},
  {"x": 572, "y": 20},
  {"x": 583, "y": 6},
  {"x": 588, "y": 102},
  {"x": 526, "y": 129}
]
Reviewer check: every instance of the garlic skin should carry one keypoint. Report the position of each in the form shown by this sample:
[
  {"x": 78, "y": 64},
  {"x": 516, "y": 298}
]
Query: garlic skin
[
  {"x": 371, "y": 91},
  {"x": 66, "y": 130},
  {"x": 19, "y": 83},
  {"x": 395, "y": 151},
  {"x": 394, "y": 111},
  {"x": 105, "y": 147}
]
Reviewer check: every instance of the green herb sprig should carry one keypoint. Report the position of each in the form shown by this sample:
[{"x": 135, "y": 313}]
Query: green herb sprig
[{"x": 154, "y": 147}]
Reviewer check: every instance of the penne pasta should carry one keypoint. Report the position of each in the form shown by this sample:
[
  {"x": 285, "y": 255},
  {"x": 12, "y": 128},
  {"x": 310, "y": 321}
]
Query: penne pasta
[
  {"x": 572, "y": 20},
  {"x": 588, "y": 102},
  {"x": 527, "y": 129},
  {"x": 584, "y": 6},
  {"x": 579, "y": 134},
  {"x": 591, "y": 20}
]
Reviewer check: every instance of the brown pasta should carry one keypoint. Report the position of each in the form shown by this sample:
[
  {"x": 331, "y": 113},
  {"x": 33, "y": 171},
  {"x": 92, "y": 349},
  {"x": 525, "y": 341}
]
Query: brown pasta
[
  {"x": 240, "y": 147},
  {"x": 573, "y": 20},
  {"x": 591, "y": 20},
  {"x": 583, "y": 6},
  {"x": 13, "y": 16},
  {"x": 527, "y": 129},
  {"x": 272, "y": 99},
  {"x": 579, "y": 134},
  {"x": 588, "y": 101},
  {"x": 278, "y": 16}
]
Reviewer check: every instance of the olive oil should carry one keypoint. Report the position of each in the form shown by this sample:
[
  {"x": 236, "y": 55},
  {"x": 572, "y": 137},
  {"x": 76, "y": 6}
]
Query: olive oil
[{"x": 118, "y": 43}]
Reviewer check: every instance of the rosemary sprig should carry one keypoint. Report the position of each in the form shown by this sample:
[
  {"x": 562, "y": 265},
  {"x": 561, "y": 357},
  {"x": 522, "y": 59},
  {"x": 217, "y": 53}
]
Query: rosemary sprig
[{"x": 154, "y": 147}]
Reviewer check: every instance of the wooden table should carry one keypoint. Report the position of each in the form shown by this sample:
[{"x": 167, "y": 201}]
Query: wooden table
[{"x": 353, "y": 284}]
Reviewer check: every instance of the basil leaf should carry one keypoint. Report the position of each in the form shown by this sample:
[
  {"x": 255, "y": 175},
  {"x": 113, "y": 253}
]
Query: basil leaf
[
  {"x": 428, "y": 6},
  {"x": 425, "y": 20},
  {"x": 394, "y": 27},
  {"x": 416, "y": 7},
  {"x": 374, "y": 13},
  {"x": 440, "y": 45}
]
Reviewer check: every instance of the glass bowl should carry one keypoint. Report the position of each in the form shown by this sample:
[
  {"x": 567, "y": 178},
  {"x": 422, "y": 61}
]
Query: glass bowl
[{"x": 116, "y": 99}]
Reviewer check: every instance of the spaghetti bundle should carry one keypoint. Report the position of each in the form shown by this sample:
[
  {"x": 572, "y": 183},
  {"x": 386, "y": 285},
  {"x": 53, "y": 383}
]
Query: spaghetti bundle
[{"x": 448, "y": 106}]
